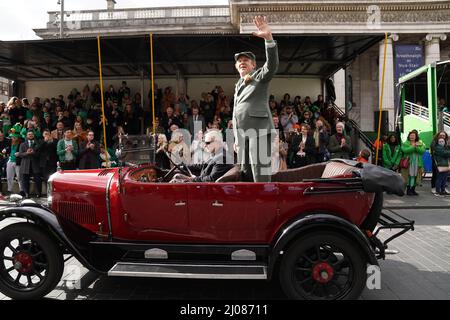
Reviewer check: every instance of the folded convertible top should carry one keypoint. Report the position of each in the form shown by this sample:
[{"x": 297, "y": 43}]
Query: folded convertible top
[{"x": 376, "y": 178}]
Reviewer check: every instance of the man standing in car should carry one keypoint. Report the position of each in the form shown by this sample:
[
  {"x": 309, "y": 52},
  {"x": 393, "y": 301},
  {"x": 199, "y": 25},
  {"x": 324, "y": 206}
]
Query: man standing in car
[{"x": 252, "y": 120}]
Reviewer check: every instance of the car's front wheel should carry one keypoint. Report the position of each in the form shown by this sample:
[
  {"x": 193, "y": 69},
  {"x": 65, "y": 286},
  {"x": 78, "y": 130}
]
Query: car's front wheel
[
  {"x": 323, "y": 265},
  {"x": 31, "y": 263}
]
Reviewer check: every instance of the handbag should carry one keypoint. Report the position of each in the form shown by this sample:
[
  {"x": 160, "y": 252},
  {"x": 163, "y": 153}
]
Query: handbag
[{"x": 404, "y": 163}]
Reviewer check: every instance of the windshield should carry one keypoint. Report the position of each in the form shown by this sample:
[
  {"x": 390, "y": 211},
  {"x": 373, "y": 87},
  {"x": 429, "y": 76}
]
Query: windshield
[{"x": 135, "y": 149}]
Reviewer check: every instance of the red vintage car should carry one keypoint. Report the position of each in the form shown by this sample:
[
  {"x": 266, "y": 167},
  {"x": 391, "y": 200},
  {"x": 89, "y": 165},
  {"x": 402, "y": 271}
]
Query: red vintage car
[{"x": 312, "y": 228}]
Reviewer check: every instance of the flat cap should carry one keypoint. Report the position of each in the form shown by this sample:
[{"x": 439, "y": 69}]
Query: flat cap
[{"x": 248, "y": 54}]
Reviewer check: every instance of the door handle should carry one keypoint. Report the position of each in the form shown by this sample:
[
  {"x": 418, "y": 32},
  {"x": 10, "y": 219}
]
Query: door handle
[
  {"x": 180, "y": 204},
  {"x": 217, "y": 204}
]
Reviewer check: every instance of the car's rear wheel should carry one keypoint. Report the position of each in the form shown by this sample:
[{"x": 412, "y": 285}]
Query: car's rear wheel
[
  {"x": 31, "y": 263},
  {"x": 323, "y": 265}
]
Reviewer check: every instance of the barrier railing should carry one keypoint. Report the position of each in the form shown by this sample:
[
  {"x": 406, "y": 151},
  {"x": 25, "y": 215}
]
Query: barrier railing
[
  {"x": 446, "y": 120},
  {"x": 141, "y": 13},
  {"x": 416, "y": 110}
]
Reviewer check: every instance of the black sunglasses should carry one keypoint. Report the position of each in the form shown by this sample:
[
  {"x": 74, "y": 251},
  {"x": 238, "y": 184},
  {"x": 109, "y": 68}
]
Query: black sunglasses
[{"x": 208, "y": 142}]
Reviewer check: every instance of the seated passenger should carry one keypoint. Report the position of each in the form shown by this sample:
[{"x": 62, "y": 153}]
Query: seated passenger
[{"x": 212, "y": 169}]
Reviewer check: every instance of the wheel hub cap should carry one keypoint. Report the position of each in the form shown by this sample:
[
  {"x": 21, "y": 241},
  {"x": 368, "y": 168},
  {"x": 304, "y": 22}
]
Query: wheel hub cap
[
  {"x": 23, "y": 262},
  {"x": 323, "y": 272}
]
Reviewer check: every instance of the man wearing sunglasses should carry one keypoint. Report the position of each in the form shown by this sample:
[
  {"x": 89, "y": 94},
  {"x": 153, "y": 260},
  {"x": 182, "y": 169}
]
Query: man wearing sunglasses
[{"x": 212, "y": 169}]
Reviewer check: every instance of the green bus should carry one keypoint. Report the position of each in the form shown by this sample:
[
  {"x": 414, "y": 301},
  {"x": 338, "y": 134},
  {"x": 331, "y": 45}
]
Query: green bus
[{"x": 424, "y": 96}]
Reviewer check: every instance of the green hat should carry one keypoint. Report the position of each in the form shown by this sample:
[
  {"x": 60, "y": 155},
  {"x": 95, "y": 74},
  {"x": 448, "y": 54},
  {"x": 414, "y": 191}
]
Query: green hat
[
  {"x": 13, "y": 134},
  {"x": 15, "y": 130}
]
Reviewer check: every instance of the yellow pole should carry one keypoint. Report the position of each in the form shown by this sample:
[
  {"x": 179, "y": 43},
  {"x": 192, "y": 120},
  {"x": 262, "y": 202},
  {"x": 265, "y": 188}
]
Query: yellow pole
[
  {"x": 381, "y": 98},
  {"x": 152, "y": 84},
  {"x": 103, "y": 103}
]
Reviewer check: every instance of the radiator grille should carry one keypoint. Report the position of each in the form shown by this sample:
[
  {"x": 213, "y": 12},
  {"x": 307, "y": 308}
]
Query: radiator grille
[{"x": 79, "y": 212}]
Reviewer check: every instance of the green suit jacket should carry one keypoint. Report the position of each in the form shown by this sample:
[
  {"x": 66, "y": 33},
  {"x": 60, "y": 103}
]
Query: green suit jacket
[
  {"x": 251, "y": 100},
  {"x": 61, "y": 151}
]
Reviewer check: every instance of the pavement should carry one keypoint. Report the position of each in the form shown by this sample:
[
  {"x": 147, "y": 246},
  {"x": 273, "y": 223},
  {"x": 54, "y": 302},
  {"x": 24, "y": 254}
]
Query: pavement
[
  {"x": 425, "y": 200},
  {"x": 419, "y": 267}
]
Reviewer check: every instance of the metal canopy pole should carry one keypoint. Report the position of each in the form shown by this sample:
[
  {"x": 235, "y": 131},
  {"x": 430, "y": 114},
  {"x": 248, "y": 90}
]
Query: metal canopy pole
[
  {"x": 103, "y": 103},
  {"x": 152, "y": 84},
  {"x": 381, "y": 98}
]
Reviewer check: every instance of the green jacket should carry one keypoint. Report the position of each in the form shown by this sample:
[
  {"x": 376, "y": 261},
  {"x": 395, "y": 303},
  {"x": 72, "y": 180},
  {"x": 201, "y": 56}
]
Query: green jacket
[
  {"x": 409, "y": 150},
  {"x": 391, "y": 159},
  {"x": 61, "y": 150},
  {"x": 441, "y": 155}
]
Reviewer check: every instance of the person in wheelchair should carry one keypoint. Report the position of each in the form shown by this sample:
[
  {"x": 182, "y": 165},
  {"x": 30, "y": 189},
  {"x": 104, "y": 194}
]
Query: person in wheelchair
[{"x": 212, "y": 169}]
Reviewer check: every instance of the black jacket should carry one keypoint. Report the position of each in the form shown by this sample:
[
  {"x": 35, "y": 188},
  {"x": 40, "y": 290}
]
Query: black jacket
[
  {"x": 47, "y": 154},
  {"x": 89, "y": 159},
  {"x": 29, "y": 161},
  {"x": 4, "y": 145},
  {"x": 310, "y": 148},
  {"x": 162, "y": 160},
  {"x": 166, "y": 122},
  {"x": 212, "y": 169}
]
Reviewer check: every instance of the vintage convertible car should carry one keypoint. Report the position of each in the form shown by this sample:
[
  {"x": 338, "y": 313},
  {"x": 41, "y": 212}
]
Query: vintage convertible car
[{"x": 313, "y": 228}]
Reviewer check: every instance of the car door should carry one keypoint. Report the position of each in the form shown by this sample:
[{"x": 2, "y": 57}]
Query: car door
[
  {"x": 232, "y": 212},
  {"x": 155, "y": 211}
]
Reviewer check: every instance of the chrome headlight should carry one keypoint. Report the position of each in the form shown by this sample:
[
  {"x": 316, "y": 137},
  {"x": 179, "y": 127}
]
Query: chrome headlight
[{"x": 50, "y": 190}]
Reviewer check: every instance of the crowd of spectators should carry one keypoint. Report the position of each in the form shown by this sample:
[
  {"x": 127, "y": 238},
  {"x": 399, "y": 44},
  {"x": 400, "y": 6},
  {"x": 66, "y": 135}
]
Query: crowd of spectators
[
  {"x": 307, "y": 132},
  {"x": 407, "y": 158},
  {"x": 39, "y": 135}
]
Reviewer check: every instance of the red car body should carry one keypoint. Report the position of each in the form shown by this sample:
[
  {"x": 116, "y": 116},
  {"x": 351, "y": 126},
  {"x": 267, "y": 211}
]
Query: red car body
[
  {"x": 319, "y": 217},
  {"x": 226, "y": 212}
]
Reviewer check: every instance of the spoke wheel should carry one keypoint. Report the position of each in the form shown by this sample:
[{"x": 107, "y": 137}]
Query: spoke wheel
[
  {"x": 31, "y": 263},
  {"x": 323, "y": 266}
]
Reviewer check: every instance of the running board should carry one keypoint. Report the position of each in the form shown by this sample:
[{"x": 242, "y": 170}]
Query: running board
[{"x": 188, "y": 271}]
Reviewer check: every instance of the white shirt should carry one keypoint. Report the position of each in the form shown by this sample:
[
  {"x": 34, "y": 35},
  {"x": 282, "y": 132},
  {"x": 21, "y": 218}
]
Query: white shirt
[{"x": 69, "y": 155}]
